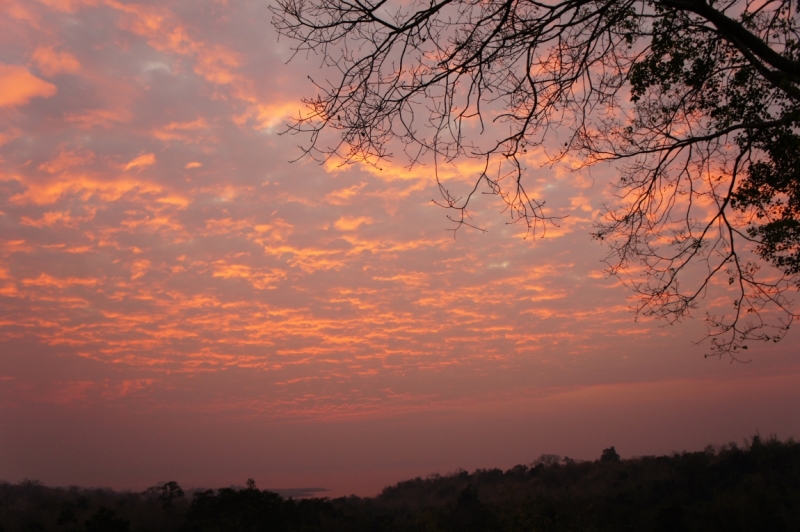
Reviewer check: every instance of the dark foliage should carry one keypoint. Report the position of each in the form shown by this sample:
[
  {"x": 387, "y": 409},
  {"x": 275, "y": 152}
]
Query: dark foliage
[
  {"x": 610, "y": 455},
  {"x": 30, "y": 506},
  {"x": 731, "y": 488},
  {"x": 105, "y": 520},
  {"x": 246, "y": 510}
]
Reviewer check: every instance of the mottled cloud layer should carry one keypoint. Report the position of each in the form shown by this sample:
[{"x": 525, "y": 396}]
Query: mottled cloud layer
[{"x": 159, "y": 253}]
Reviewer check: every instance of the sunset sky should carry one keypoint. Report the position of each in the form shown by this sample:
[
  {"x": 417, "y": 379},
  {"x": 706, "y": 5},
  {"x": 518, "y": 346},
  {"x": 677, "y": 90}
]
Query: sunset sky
[{"x": 179, "y": 301}]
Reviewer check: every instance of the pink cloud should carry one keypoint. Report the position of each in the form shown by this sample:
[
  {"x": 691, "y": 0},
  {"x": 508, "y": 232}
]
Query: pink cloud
[
  {"x": 142, "y": 161},
  {"x": 66, "y": 159},
  {"x": 18, "y": 86},
  {"x": 100, "y": 117},
  {"x": 51, "y": 62},
  {"x": 351, "y": 223}
]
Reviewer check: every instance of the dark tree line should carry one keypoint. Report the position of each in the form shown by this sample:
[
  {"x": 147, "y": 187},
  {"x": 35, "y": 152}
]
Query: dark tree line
[
  {"x": 732, "y": 488},
  {"x": 32, "y": 507},
  {"x": 696, "y": 101}
]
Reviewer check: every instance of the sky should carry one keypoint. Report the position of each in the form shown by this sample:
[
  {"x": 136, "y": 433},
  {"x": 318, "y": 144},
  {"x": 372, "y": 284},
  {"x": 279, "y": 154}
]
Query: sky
[{"x": 181, "y": 301}]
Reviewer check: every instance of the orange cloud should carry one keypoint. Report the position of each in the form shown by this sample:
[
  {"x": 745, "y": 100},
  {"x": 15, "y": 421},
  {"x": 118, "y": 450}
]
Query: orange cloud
[
  {"x": 307, "y": 258},
  {"x": 278, "y": 230},
  {"x": 8, "y": 135},
  {"x": 174, "y": 199},
  {"x": 226, "y": 225},
  {"x": 50, "y": 219},
  {"x": 216, "y": 64},
  {"x": 463, "y": 170},
  {"x": 163, "y": 32},
  {"x": 142, "y": 161},
  {"x": 157, "y": 25},
  {"x": 344, "y": 196},
  {"x": 84, "y": 186},
  {"x": 68, "y": 6},
  {"x": 183, "y": 131},
  {"x": 153, "y": 219},
  {"x": 52, "y": 63},
  {"x": 193, "y": 164},
  {"x": 391, "y": 246},
  {"x": 415, "y": 279},
  {"x": 139, "y": 268},
  {"x": 7, "y": 285},
  {"x": 15, "y": 246},
  {"x": 351, "y": 223},
  {"x": 66, "y": 159},
  {"x": 127, "y": 387},
  {"x": 259, "y": 279},
  {"x": 18, "y": 86},
  {"x": 266, "y": 116},
  {"x": 45, "y": 280},
  {"x": 21, "y": 10},
  {"x": 100, "y": 117}
]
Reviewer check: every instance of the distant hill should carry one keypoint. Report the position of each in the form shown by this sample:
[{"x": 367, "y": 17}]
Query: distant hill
[{"x": 752, "y": 487}]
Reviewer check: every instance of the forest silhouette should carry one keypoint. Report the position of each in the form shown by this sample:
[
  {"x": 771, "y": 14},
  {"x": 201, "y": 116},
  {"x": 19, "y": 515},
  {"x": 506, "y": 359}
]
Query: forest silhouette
[{"x": 753, "y": 486}]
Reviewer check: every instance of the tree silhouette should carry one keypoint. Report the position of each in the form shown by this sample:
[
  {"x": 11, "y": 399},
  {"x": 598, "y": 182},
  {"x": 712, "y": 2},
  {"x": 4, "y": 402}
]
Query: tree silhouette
[
  {"x": 246, "y": 510},
  {"x": 610, "y": 455},
  {"x": 696, "y": 101},
  {"x": 165, "y": 493}
]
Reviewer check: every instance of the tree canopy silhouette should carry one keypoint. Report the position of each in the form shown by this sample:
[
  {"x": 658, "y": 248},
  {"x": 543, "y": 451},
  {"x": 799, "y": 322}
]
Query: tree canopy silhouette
[
  {"x": 696, "y": 101},
  {"x": 727, "y": 488}
]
